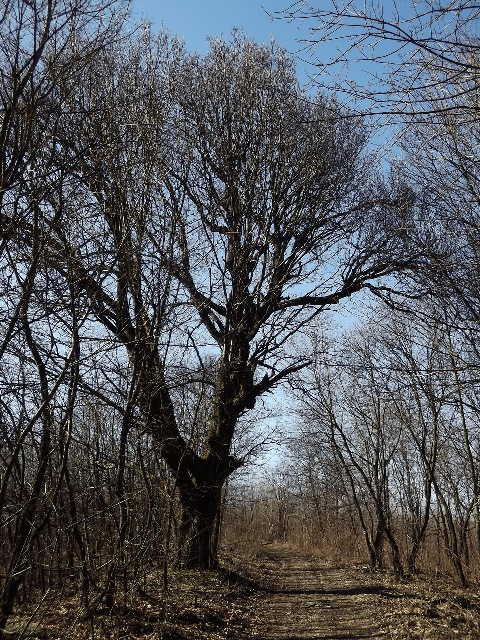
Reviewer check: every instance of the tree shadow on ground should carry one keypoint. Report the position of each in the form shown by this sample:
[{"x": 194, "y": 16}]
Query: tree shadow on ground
[
  {"x": 376, "y": 590},
  {"x": 240, "y": 579}
]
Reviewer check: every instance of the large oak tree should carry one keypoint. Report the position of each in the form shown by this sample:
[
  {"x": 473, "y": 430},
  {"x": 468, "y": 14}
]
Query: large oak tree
[
  {"x": 278, "y": 216},
  {"x": 212, "y": 205}
]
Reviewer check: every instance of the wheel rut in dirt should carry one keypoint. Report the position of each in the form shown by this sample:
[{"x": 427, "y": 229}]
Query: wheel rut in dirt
[{"x": 303, "y": 598}]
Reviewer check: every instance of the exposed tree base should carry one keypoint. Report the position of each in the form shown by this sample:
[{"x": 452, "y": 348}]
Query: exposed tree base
[{"x": 198, "y": 530}]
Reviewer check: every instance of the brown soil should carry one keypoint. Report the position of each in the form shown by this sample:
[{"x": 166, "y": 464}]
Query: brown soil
[
  {"x": 275, "y": 593},
  {"x": 306, "y": 598}
]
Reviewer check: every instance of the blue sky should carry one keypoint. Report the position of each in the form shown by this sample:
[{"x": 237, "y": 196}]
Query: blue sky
[{"x": 195, "y": 20}]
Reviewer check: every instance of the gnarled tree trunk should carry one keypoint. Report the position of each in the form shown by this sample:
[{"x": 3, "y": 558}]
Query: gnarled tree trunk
[{"x": 198, "y": 526}]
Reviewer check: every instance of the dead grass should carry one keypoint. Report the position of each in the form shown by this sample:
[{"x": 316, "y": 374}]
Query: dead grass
[
  {"x": 269, "y": 593},
  {"x": 199, "y": 605}
]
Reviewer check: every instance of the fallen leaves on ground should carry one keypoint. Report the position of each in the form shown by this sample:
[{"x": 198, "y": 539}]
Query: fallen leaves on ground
[{"x": 276, "y": 592}]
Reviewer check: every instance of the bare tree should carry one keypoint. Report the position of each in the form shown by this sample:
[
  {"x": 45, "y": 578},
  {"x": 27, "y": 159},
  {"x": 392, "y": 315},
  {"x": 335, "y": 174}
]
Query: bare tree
[
  {"x": 205, "y": 205},
  {"x": 388, "y": 59},
  {"x": 347, "y": 408},
  {"x": 38, "y": 351},
  {"x": 416, "y": 66},
  {"x": 39, "y": 384},
  {"x": 418, "y": 388},
  {"x": 442, "y": 155},
  {"x": 37, "y": 38},
  {"x": 277, "y": 219}
]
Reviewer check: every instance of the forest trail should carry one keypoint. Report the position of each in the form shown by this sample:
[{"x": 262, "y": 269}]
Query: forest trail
[
  {"x": 304, "y": 598},
  {"x": 274, "y": 592}
]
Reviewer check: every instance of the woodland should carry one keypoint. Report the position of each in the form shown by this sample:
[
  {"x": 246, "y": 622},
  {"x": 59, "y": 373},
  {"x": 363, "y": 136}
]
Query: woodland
[{"x": 180, "y": 238}]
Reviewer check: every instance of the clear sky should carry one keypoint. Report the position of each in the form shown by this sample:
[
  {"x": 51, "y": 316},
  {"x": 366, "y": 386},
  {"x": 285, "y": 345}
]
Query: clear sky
[{"x": 195, "y": 20}]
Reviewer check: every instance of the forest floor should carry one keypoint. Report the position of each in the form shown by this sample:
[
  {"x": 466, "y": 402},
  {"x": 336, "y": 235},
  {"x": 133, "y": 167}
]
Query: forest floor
[
  {"x": 307, "y": 598},
  {"x": 273, "y": 593}
]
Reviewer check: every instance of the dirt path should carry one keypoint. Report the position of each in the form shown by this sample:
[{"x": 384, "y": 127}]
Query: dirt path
[
  {"x": 274, "y": 593},
  {"x": 297, "y": 596},
  {"x": 305, "y": 599}
]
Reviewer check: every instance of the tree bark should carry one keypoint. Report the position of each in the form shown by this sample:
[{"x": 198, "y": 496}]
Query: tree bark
[{"x": 197, "y": 532}]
